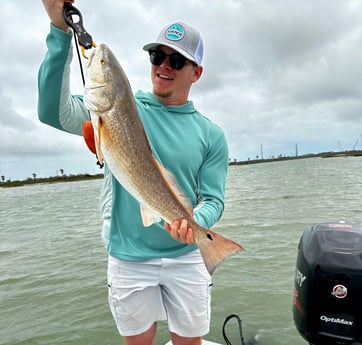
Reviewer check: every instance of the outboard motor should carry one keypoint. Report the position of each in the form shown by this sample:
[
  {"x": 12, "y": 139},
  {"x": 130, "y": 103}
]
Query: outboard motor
[{"x": 327, "y": 305}]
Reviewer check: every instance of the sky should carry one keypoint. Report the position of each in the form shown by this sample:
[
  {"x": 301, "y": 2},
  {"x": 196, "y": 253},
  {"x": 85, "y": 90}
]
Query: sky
[{"x": 278, "y": 75}]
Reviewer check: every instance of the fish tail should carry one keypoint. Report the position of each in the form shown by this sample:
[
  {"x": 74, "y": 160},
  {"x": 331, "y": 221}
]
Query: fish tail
[{"x": 215, "y": 248}]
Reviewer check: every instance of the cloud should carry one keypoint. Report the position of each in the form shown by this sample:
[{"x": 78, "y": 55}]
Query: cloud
[{"x": 276, "y": 73}]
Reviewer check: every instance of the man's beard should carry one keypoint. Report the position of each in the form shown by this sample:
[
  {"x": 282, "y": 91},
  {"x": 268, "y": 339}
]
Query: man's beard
[{"x": 160, "y": 94}]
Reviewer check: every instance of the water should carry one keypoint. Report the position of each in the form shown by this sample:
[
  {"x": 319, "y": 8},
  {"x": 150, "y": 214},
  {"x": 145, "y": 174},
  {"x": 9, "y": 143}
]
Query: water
[{"x": 53, "y": 265}]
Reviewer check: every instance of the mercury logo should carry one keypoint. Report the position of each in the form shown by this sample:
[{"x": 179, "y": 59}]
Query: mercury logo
[{"x": 339, "y": 291}]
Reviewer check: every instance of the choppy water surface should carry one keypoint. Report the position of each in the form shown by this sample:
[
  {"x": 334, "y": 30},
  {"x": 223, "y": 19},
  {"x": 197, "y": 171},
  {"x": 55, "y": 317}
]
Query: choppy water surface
[{"x": 53, "y": 265}]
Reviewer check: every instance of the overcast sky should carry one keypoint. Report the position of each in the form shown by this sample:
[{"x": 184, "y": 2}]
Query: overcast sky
[{"x": 276, "y": 73}]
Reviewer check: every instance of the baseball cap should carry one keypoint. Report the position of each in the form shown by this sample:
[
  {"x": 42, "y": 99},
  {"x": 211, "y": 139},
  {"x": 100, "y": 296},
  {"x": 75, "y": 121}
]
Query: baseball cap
[{"x": 182, "y": 37}]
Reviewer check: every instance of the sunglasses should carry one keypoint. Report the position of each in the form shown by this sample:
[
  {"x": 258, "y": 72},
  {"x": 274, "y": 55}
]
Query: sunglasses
[{"x": 176, "y": 60}]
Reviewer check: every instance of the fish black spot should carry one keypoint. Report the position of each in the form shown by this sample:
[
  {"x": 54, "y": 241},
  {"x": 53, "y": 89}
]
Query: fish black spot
[{"x": 209, "y": 237}]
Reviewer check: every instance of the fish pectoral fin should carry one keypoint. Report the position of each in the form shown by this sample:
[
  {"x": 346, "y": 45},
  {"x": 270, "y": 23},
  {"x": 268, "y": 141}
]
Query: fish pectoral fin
[
  {"x": 149, "y": 217},
  {"x": 174, "y": 186},
  {"x": 98, "y": 139},
  {"x": 88, "y": 135}
]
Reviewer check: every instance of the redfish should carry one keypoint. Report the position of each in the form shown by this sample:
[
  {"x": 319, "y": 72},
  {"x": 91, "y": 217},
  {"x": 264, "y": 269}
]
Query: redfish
[{"x": 122, "y": 141}]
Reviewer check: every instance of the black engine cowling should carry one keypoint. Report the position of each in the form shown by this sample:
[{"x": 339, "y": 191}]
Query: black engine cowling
[{"x": 327, "y": 305}]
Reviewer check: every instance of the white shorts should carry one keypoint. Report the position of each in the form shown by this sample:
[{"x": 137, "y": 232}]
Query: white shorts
[{"x": 175, "y": 289}]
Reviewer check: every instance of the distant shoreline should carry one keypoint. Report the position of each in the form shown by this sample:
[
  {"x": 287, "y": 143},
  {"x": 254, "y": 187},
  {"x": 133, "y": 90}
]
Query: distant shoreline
[
  {"x": 352, "y": 153},
  {"x": 54, "y": 179},
  {"x": 82, "y": 177}
]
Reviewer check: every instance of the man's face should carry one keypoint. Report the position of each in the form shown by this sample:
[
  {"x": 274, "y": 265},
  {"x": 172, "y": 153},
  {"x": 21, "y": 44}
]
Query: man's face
[{"x": 172, "y": 86}]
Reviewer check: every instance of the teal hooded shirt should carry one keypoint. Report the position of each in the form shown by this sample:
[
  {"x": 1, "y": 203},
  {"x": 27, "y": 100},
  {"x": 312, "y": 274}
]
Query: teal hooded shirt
[{"x": 194, "y": 150}]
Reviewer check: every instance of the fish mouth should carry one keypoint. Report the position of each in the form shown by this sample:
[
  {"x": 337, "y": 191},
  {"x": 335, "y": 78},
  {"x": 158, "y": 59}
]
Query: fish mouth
[
  {"x": 95, "y": 87},
  {"x": 90, "y": 57},
  {"x": 91, "y": 85}
]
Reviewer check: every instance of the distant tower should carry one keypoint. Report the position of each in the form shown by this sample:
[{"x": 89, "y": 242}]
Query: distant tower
[{"x": 261, "y": 151}]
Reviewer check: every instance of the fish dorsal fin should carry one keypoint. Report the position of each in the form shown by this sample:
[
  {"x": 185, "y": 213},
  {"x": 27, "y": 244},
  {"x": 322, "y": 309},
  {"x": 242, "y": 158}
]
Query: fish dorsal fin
[{"x": 174, "y": 186}]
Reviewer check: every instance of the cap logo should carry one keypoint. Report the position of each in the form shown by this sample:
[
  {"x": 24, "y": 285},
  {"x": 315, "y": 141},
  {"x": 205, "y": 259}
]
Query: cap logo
[{"x": 175, "y": 32}]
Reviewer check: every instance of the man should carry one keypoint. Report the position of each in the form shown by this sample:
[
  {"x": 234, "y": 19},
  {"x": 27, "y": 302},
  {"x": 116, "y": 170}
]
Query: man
[{"x": 153, "y": 274}]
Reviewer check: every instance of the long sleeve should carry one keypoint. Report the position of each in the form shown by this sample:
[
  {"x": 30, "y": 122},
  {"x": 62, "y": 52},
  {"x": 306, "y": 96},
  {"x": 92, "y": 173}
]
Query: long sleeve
[
  {"x": 59, "y": 109},
  {"x": 211, "y": 184},
  {"x": 56, "y": 106}
]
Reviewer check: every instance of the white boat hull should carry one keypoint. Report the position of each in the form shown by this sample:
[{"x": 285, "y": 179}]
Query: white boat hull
[{"x": 204, "y": 342}]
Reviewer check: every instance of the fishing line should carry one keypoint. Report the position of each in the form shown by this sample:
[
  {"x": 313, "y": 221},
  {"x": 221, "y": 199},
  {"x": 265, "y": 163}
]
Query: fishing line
[
  {"x": 82, "y": 40},
  {"x": 80, "y": 61}
]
